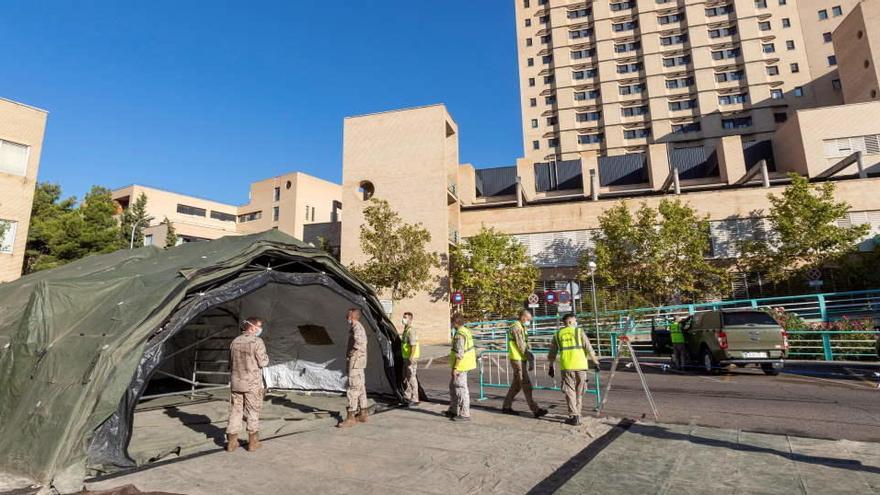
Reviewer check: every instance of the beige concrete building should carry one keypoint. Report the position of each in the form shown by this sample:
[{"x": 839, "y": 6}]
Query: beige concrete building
[
  {"x": 615, "y": 77},
  {"x": 21, "y": 141},
  {"x": 409, "y": 158},
  {"x": 291, "y": 203},
  {"x": 857, "y": 44}
]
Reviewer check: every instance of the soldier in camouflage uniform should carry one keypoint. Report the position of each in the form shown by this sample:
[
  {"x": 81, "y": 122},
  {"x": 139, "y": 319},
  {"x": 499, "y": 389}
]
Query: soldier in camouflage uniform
[
  {"x": 247, "y": 357},
  {"x": 357, "y": 361}
]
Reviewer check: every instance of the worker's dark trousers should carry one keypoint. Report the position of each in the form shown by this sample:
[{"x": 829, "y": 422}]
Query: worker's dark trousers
[{"x": 679, "y": 356}]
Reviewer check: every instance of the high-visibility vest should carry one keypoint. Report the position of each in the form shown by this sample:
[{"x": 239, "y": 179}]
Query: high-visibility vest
[
  {"x": 468, "y": 360},
  {"x": 571, "y": 349},
  {"x": 675, "y": 333},
  {"x": 513, "y": 352},
  {"x": 409, "y": 351}
]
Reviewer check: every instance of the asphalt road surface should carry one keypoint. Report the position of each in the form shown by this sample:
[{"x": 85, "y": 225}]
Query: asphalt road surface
[{"x": 833, "y": 401}]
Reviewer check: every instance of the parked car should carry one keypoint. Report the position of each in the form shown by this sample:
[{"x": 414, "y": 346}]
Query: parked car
[{"x": 739, "y": 337}]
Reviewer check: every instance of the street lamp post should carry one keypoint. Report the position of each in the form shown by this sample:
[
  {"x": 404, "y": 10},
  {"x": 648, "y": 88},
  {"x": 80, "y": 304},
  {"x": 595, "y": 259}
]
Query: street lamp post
[
  {"x": 134, "y": 227},
  {"x": 592, "y": 267}
]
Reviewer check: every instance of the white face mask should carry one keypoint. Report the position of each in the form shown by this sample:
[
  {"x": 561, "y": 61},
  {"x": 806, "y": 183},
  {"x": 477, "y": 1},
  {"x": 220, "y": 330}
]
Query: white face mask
[
  {"x": 259, "y": 331},
  {"x": 404, "y": 321}
]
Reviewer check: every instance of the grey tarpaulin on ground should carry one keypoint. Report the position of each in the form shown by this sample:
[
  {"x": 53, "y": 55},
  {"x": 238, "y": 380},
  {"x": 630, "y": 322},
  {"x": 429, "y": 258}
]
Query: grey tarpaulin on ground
[{"x": 79, "y": 343}]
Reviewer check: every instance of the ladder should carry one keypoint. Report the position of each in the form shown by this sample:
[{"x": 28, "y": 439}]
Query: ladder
[{"x": 210, "y": 361}]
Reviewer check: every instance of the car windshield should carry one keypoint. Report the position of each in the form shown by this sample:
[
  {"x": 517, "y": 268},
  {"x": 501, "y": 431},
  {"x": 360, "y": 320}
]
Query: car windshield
[{"x": 748, "y": 318}]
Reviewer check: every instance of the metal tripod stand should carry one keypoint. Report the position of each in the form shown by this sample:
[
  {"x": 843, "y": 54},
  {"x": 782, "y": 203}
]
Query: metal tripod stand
[{"x": 623, "y": 340}]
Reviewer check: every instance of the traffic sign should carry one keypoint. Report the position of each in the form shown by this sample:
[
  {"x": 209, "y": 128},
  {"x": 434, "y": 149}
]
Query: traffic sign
[
  {"x": 550, "y": 297},
  {"x": 564, "y": 297},
  {"x": 534, "y": 300},
  {"x": 457, "y": 297},
  {"x": 814, "y": 274}
]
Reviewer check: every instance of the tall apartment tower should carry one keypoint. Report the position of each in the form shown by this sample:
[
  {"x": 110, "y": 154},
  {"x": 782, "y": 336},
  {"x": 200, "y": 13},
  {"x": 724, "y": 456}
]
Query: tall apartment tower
[{"x": 614, "y": 77}]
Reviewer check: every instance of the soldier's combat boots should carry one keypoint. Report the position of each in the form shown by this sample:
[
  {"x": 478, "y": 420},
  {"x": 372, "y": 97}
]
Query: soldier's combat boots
[
  {"x": 350, "y": 421},
  {"x": 231, "y": 442},
  {"x": 253, "y": 441},
  {"x": 362, "y": 416}
]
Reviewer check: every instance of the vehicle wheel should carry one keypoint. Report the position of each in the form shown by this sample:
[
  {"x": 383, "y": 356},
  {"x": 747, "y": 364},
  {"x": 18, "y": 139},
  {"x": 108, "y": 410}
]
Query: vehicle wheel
[
  {"x": 710, "y": 366},
  {"x": 769, "y": 369}
]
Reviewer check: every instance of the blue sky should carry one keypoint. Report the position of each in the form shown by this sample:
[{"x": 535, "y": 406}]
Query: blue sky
[{"x": 204, "y": 97}]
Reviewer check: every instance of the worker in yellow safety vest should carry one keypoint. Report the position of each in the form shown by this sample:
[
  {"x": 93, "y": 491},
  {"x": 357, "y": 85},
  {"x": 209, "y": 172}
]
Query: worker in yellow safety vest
[
  {"x": 462, "y": 358},
  {"x": 572, "y": 346},
  {"x": 410, "y": 350},
  {"x": 521, "y": 359},
  {"x": 679, "y": 352}
]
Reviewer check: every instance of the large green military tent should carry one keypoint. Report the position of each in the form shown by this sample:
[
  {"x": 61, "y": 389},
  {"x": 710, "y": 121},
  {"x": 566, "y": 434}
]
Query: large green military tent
[{"x": 79, "y": 344}]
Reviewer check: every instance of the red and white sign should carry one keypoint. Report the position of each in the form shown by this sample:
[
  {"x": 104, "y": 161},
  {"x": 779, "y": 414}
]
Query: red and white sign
[
  {"x": 457, "y": 297},
  {"x": 550, "y": 297}
]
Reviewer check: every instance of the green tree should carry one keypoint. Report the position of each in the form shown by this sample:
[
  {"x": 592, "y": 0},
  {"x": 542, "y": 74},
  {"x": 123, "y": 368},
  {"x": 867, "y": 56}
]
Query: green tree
[
  {"x": 170, "y": 234},
  {"x": 654, "y": 256},
  {"x": 61, "y": 232},
  {"x": 398, "y": 261},
  {"x": 135, "y": 216},
  {"x": 804, "y": 233},
  {"x": 495, "y": 271}
]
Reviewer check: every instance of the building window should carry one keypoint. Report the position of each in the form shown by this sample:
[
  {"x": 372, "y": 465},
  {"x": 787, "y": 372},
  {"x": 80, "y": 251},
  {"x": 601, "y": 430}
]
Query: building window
[
  {"x": 780, "y": 117},
  {"x": 675, "y": 106},
  {"x": 627, "y": 47},
  {"x": 223, "y": 217},
  {"x": 533, "y": 102},
  {"x": 761, "y": 4},
  {"x": 534, "y": 123},
  {"x": 736, "y": 75},
  {"x": 835, "y": 84},
  {"x": 277, "y": 194},
  {"x": 795, "y": 68},
  {"x": 528, "y": 23},
  {"x": 826, "y": 37},
  {"x": 643, "y": 132},
  {"x": 552, "y": 120},
  {"x": 733, "y": 99},
  {"x": 250, "y": 217},
  {"x": 531, "y": 81},
  {"x": 836, "y": 11},
  {"x": 530, "y": 62},
  {"x": 589, "y": 138},
  {"x": 624, "y": 26},
  {"x": 528, "y": 42},
  {"x": 674, "y": 61},
  {"x": 546, "y": 59},
  {"x": 550, "y": 100},
  {"x": 729, "y": 53},
  {"x": 634, "y": 111},
  {"x": 544, "y": 19},
  {"x": 768, "y": 47},
  {"x": 832, "y": 60},
  {"x": 736, "y": 122},
  {"x": 7, "y": 240},
  {"x": 789, "y": 44},
  {"x": 617, "y": 7},
  {"x": 776, "y": 94},
  {"x": 552, "y": 142},
  {"x": 191, "y": 210},
  {"x": 786, "y": 22},
  {"x": 719, "y": 32},
  {"x": 13, "y": 158},
  {"x": 679, "y": 83},
  {"x": 764, "y": 26},
  {"x": 772, "y": 70},
  {"x": 580, "y": 33},
  {"x": 823, "y": 14},
  {"x": 783, "y": 2},
  {"x": 586, "y": 53},
  {"x": 631, "y": 89},
  {"x": 677, "y": 39},
  {"x": 685, "y": 128},
  {"x": 670, "y": 18},
  {"x": 578, "y": 14},
  {"x": 275, "y": 213},
  {"x": 587, "y": 116},
  {"x": 536, "y": 145},
  {"x": 546, "y": 39},
  {"x": 627, "y": 68},
  {"x": 799, "y": 91},
  {"x": 586, "y": 95},
  {"x": 584, "y": 74},
  {"x": 720, "y": 10}
]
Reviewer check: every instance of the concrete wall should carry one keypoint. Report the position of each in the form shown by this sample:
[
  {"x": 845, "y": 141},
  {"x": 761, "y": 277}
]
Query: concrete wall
[
  {"x": 22, "y": 125},
  {"x": 856, "y": 40},
  {"x": 408, "y": 157}
]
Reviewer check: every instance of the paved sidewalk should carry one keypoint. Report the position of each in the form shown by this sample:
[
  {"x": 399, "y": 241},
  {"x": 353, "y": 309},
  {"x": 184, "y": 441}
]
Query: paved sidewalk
[
  {"x": 645, "y": 458},
  {"x": 419, "y": 451}
]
